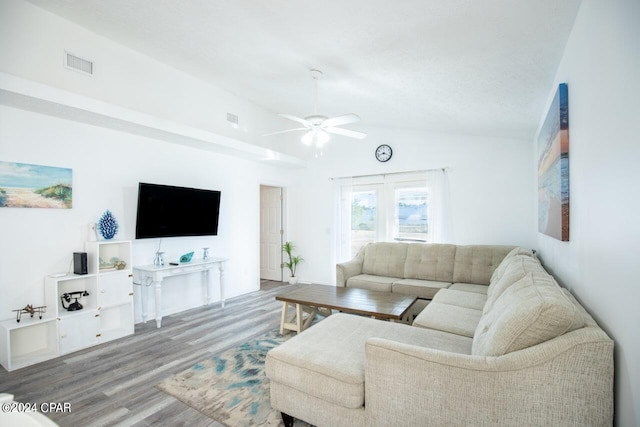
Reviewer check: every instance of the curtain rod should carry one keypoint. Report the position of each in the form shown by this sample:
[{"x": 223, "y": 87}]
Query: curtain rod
[{"x": 445, "y": 169}]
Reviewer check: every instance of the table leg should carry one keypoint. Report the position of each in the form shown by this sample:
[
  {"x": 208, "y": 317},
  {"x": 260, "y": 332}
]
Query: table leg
[
  {"x": 283, "y": 318},
  {"x": 222, "y": 283},
  {"x": 311, "y": 314},
  {"x": 208, "y": 288},
  {"x": 324, "y": 311},
  {"x": 298, "y": 318},
  {"x": 158, "y": 291},
  {"x": 144, "y": 297},
  {"x": 297, "y": 322}
]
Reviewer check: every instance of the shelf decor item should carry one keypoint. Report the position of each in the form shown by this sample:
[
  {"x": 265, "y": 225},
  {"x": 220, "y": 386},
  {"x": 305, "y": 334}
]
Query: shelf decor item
[
  {"x": 186, "y": 257},
  {"x": 159, "y": 259},
  {"x": 107, "y": 225},
  {"x": 205, "y": 253},
  {"x": 76, "y": 295},
  {"x": 30, "y": 309},
  {"x": 92, "y": 232}
]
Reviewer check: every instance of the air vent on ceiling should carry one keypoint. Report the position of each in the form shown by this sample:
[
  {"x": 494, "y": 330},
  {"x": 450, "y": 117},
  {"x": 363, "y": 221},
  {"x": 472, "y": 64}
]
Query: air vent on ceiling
[
  {"x": 233, "y": 119},
  {"x": 75, "y": 63}
]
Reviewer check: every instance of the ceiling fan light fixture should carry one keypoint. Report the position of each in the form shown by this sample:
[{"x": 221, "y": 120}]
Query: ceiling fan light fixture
[
  {"x": 320, "y": 127},
  {"x": 316, "y": 136},
  {"x": 322, "y": 138},
  {"x": 307, "y": 138}
]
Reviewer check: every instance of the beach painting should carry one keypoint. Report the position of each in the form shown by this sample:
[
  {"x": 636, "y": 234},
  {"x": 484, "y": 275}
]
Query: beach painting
[
  {"x": 553, "y": 169},
  {"x": 33, "y": 186}
]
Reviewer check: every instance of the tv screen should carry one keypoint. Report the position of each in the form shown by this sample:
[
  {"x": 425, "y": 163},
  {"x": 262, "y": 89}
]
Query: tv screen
[{"x": 167, "y": 211}]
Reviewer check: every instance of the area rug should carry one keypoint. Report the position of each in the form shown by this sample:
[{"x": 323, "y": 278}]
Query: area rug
[{"x": 232, "y": 387}]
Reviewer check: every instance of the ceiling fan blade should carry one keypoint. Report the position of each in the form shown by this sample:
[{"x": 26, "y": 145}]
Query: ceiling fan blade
[
  {"x": 284, "y": 131},
  {"x": 347, "y": 132},
  {"x": 341, "y": 120},
  {"x": 307, "y": 123}
]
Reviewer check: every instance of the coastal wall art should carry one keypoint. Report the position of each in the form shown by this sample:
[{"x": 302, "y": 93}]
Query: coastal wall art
[
  {"x": 553, "y": 168},
  {"x": 23, "y": 185}
]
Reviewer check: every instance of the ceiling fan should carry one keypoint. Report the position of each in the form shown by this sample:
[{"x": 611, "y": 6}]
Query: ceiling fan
[{"x": 319, "y": 127}]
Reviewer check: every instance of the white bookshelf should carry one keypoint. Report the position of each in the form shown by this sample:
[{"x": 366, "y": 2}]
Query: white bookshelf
[{"x": 106, "y": 314}]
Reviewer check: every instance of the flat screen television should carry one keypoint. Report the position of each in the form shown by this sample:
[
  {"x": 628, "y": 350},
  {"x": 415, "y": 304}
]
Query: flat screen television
[{"x": 168, "y": 211}]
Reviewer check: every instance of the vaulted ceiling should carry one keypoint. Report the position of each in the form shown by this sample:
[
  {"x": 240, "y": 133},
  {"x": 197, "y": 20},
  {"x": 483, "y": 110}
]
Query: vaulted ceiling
[{"x": 461, "y": 66}]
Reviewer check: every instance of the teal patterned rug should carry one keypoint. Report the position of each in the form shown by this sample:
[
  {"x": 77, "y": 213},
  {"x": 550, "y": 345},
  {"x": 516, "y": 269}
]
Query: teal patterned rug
[{"x": 232, "y": 387}]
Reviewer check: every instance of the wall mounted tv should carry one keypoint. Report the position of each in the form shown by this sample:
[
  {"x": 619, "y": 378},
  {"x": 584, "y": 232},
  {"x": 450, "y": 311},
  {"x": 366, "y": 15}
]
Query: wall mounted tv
[{"x": 167, "y": 211}]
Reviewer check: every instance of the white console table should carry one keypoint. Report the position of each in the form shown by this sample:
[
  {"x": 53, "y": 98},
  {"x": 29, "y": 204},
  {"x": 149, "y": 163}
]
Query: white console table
[{"x": 153, "y": 274}]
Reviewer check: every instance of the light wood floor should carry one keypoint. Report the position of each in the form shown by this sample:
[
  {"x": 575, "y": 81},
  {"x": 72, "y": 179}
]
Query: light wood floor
[{"x": 114, "y": 383}]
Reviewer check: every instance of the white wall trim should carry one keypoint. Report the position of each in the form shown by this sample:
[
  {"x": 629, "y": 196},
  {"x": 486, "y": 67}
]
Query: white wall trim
[{"x": 40, "y": 98}]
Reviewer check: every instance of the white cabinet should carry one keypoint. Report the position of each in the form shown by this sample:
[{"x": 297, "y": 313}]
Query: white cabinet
[
  {"x": 115, "y": 287},
  {"x": 116, "y": 322},
  {"x": 82, "y": 310},
  {"x": 107, "y": 311},
  {"x": 31, "y": 341},
  {"x": 78, "y": 331}
]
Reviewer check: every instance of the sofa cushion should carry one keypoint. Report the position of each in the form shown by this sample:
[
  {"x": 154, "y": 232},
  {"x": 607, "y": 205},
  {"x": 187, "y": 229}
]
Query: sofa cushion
[
  {"x": 373, "y": 283},
  {"x": 430, "y": 262},
  {"x": 475, "y": 264},
  {"x": 531, "y": 311},
  {"x": 419, "y": 288},
  {"x": 516, "y": 268},
  {"x": 449, "y": 318},
  {"x": 385, "y": 259},
  {"x": 469, "y": 287},
  {"x": 472, "y": 300},
  {"x": 327, "y": 360},
  {"x": 519, "y": 251}
]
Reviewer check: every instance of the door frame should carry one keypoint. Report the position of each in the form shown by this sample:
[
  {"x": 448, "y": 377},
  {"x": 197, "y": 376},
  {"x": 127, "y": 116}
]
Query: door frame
[{"x": 283, "y": 222}]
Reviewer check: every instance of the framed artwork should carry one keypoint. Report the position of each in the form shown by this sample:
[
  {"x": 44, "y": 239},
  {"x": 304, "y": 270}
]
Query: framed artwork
[
  {"x": 23, "y": 185},
  {"x": 553, "y": 168}
]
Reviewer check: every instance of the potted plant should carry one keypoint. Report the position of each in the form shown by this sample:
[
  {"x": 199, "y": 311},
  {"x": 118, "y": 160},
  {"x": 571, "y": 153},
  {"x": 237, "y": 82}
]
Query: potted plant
[{"x": 293, "y": 262}]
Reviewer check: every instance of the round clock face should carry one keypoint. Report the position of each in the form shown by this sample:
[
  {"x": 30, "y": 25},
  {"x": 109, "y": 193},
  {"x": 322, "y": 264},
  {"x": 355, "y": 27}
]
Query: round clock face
[{"x": 383, "y": 153}]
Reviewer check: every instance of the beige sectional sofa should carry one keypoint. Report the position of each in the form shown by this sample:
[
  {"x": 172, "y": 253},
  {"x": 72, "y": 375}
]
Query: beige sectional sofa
[
  {"x": 519, "y": 351},
  {"x": 421, "y": 269}
]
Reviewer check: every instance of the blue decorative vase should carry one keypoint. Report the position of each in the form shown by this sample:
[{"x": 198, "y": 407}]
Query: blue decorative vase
[{"x": 107, "y": 225}]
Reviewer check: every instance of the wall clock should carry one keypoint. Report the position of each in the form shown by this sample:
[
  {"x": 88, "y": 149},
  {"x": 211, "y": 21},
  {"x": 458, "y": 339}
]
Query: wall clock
[{"x": 383, "y": 153}]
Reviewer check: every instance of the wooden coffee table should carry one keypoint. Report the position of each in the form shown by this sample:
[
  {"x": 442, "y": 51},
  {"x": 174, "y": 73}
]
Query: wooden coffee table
[{"x": 322, "y": 299}]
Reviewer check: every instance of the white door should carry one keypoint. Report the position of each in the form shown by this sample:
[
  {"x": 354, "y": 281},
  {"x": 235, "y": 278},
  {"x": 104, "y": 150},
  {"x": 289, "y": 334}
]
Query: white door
[{"x": 271, "y": 233}]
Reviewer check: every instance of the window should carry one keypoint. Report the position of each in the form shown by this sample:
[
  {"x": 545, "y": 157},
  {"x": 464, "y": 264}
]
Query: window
[
  {"x": 388, "y": 212},
  {"x": 410, "y": 216},
  {"x": 397, "y": 207}
]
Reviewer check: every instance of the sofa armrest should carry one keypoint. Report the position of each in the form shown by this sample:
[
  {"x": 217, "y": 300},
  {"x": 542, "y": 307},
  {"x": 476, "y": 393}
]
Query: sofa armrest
[
  {"x": 544, "y": 385},
  {"x": 348, "y": 269}
]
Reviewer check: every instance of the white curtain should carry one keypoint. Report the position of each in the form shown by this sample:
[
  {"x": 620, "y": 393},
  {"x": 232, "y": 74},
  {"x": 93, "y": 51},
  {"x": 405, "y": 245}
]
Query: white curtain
[
  {"x": 342, "y": 200},
  {"x": 439, "y": 208}
]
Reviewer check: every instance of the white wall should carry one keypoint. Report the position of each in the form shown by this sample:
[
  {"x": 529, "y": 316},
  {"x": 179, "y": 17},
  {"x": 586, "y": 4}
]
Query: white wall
[
  {"x": 32, "y": 45},
  {"x": 599, "y": 264},
  {"x": 107, "y": 166},
  {"x": 490, "y": 181}
]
